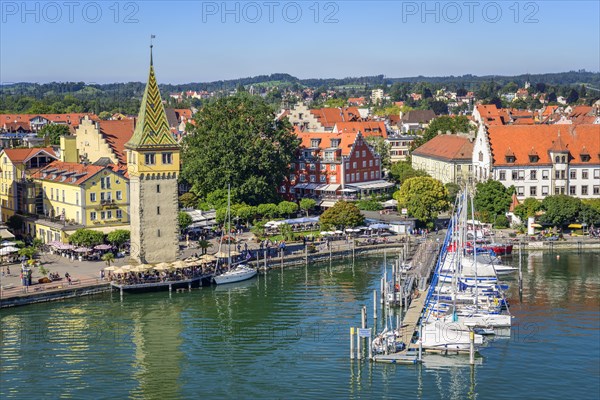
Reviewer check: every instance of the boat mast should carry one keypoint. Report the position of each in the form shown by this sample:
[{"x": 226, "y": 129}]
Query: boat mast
[{"x": 229, "y": 226}]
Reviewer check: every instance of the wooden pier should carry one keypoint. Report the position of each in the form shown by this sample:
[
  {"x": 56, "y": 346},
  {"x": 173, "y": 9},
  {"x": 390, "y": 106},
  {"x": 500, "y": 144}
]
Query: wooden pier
[{"x": 170, "y": 285}]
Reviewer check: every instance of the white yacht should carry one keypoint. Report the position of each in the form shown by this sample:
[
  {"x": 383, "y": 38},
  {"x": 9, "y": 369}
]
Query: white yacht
[{"x": 239, "y": 273}]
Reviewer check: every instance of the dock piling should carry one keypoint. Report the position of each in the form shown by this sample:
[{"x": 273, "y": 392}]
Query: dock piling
[
  {"x": 472, "y": 347},
  {"x": 358, "y": 352},
  {"x": 352, "y": 343},
  {"x": 374, "y": 307}
]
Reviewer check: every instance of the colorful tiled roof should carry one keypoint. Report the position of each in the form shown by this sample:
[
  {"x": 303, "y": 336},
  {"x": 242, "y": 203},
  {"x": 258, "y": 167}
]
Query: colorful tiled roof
[
  {"x": 329, "y": 116},
  {"x": 367, "y": 128},
  {"x": 447, "y": 147},
  {"x": 346, "y": 140},
  {"x": 152, "y": 129},
  {"x": 577, "y": 140},
  {"x": 71, "y": 119}
]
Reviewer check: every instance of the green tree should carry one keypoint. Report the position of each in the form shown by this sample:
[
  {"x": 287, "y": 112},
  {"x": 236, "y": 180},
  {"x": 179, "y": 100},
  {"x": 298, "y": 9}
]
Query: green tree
[
  {"x": 287, "y": 232},
  {"x": 108, "y": 258},
  {"x": 369, "y": 205},
  {"x": 403, "y": 170},
  {"x": 184, "y": 220},
  {"x": 118, "y": 237},
  {"x": 443, "y": 124},
  {"x": 245, "y": 212},
  {"x": 238, "y": 140},
  {"x": 453, "y": 190},
  {"x": 86, "y": 237},
  {"x": 28, "y": 252},
  {"x": 527, "y": 208},
  {"x": 268, "y": 210},
  {"x": 53, "y": 132},
  {"x": 572, "y": 97},
  {"x": 590, "y": 212},
  {"x": 381, "y": 147},
  {"x": 188, "y": 200},
  {"x": 343, "y": 214},
  {"x": 217, "y": 199},
  {"x": 287, "y": 208},
  {"x": 204, "y": 245},
  {"x": 104, "y": 115},
  {"x": 307, "y": 205},
  {"x": 560, "y": 209},
  {"x": 491, "y": 199},
  {"x": 423, "y": 197},
  {"x": 15, "y": 223}
]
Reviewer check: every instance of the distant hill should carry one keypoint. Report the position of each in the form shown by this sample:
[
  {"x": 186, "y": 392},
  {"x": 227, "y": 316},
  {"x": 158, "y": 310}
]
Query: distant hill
[{"x": 135, "y": 89}]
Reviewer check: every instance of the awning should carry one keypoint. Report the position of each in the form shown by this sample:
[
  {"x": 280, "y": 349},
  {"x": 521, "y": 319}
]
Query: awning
[
  {"x": 327, "y": 203},
  {"x": 380, "y": 184},
  {"x": 5, "y": 234},
  {"x": 575, "y": 226},
  {"x": 329, "y": 188},
  {"x": 301, "y": 186},
  {"x": 311, "y": 186}
]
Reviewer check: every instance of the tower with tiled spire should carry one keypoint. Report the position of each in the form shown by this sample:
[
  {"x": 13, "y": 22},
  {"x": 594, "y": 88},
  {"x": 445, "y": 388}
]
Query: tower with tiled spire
[{"x": 153, "y": 167}]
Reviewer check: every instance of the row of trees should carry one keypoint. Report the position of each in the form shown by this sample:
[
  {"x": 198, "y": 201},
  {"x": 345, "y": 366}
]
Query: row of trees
[
  {"x": 560, "y": 210},
  {"x": 89, "y": 238}
]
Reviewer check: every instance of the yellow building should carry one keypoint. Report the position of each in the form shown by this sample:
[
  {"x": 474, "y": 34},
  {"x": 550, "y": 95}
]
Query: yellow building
[
  {"x": 18, "y": 194},
  {"x": 81, "y": 196},
  {"x": 103, "y": 139}
]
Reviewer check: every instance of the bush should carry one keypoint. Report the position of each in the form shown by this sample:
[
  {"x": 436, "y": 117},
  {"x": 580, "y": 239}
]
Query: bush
[{"x": 501, "y": 222}]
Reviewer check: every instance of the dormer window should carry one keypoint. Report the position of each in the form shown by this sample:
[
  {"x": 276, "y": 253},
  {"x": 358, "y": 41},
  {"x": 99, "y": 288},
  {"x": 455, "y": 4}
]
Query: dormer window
[
  {"x": 510, "y": 159},
  {"x": 315, "y": 142},
  {"x": 335, "y": 142},
  {"x": 585, "y": 158},
  {"x": 533, "y": 158}
]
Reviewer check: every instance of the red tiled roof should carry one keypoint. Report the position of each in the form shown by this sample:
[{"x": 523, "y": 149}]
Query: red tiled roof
[
  {"x": 367, "y": 128},
  {"x": 346, "y": 139},
  {"x": 522, "y": 138},
  {"x": 329, "y": 116},
  {"x": 183, "y": 113},
  {"x": 68, "y": 173},
  {"x": 447, "y": 147},
  {"x": 117, "y": 133},
  {"x": 491, "y": 115},
  {"x": 18, "y": 156}
]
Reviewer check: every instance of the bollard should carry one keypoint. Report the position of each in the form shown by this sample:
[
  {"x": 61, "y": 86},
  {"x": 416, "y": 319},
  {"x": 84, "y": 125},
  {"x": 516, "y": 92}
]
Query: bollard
[
  {"x": 352, "y": 343},
  {"x": 363, "y": 315},
  {"x": 420, "y": 343},
  {"x": 382, "y": 289},
  {"x": 370, "y": 347},
  {"x": 358, "y": 353},
  {"x": 374, "y": 307},
  {"x": 472, "y": 347}
]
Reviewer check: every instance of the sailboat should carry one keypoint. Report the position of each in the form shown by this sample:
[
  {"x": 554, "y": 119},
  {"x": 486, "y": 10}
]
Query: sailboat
[{"x": 240, "y": 272}]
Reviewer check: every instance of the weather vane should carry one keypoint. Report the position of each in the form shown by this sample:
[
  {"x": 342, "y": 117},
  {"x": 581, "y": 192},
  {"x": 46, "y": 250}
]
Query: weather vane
[{"x": 152, "y": 37}]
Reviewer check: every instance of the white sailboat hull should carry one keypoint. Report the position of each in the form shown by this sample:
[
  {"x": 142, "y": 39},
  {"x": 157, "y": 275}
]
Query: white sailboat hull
[{"x": 238, "y": 274}]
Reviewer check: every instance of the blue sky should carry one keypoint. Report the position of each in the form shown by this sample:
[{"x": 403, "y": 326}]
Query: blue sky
[{"x": 198, "y": 41}]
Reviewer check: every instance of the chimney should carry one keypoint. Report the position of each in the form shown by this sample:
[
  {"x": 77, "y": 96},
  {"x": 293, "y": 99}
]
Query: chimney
[{"x": 68, "y": 149}]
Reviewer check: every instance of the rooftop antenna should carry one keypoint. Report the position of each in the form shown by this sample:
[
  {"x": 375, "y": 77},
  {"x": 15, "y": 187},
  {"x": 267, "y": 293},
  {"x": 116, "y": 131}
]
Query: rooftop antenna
[{"x": 151, "y": 46}]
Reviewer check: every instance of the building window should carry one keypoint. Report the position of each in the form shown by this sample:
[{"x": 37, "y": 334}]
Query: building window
[
  {"x": 314, "y": 142},
  {"x": 370, "y": 163},
  {"x": 119, "y": 214},
  {"x": 515, "y": 175},
  {"x": 364, "y": 153},
  {"x": 596, "y": 190},
  {"x": 584, "y": 190},
  {"x": 301, "y": 166},
  {"x": 282, "y": 189},
  {"x": 521, "y": 174},
  {"x": 347, "y": 177},
  {"x": 157, "y": 188},
  {"x": 167, "y": 158},
  {"x": 312, "y": 178},
  {"x": 105, "y": 183},
  {"x": 51, "y": 193},
  {"x": 365, "y": 175},
  {"x": 302, "y": 178},
  {"x": 109, "y": 215},
  {"x": 520, "y": 190},
  {"x": 63, "y": 196},
  {"x": 77, "y": 198},
  {"x": 119, "y": 195},
  {"x": 557, "y": 174},
  {"x": 377, "y": 162},
  {"x": 372, "y": 174},
  {"x": 158, "y": 210},
  {"x": 332, "y": 167},
  {"x": 502, "y": 176},
  {"x": 92, "y": 197},
  {"x": 312, "y": 167},
  {"x": 323, "y": 178},
  {"x": 149, "y": 159},
  {"x": 533, "y": 190},
  {"x": 364, "y": 164},
  {"x": 333, "y": 179},
  {"x": 584, "y": 174},
  {"x": 93, "y": 215},
  {"x": 573, "y": 174},
  {"x": 357, "y": 154},
  {"x": 158, "y": 233},
  {"x": 545, "y": 190},
  {"x": 533, "y": 175},
  {"x": 354, "y": 165},
  {"x": 102, "y": 215},
  {"x": 597, "y": 174},
  {"x": 572, "y": 190}
]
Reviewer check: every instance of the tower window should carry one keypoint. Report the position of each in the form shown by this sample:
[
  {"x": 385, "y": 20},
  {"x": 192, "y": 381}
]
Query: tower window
[
  {"x": 157, "y": 188},
  {"x": 157, "y": 210},
  {"x": 167, "y": 158},
  {"x": 149, "y": 159},
  {"x": 158, "y": 233}
]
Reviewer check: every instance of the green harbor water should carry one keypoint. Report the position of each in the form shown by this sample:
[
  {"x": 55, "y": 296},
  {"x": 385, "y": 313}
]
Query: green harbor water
[{"x": 285, "y": 335}]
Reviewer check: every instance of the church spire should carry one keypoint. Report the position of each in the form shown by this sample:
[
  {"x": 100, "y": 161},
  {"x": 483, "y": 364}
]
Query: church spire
[{"x": 151, "y": 128}]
